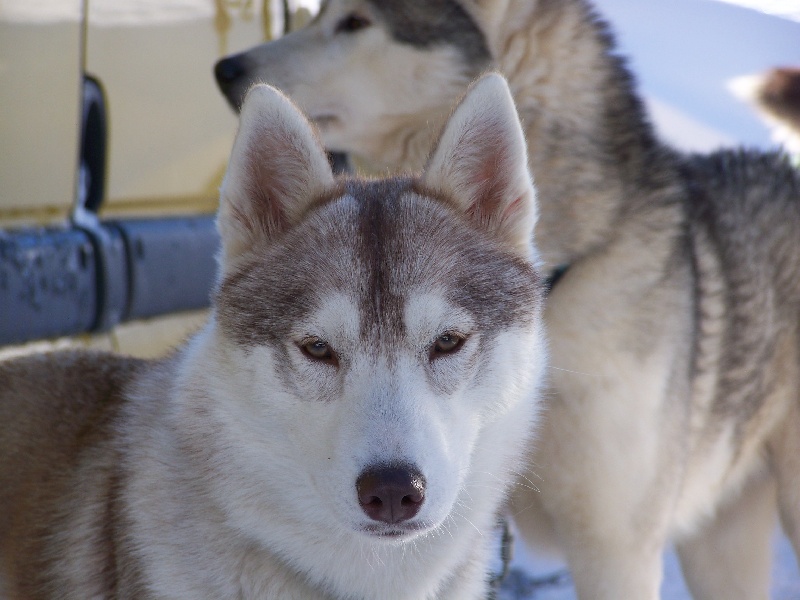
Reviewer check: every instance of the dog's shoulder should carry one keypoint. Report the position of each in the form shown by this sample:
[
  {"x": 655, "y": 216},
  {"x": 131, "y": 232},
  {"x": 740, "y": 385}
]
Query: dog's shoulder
[
  {"x": 60, "y": 413},
  {"x": 62, "y": 391},
  {"x": 53, "y": 407}
]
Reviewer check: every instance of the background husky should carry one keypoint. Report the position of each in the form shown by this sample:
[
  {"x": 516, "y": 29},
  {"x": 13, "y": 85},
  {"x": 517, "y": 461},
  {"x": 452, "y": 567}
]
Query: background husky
[
  {"x": 675, "y": 411},
  {"x": 347, "y": 424}
]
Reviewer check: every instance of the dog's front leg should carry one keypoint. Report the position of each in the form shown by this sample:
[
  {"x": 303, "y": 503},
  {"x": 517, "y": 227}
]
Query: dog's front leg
[
  {"x": 609, "y": 508},
  {"x": 785, "y": 457},
  {"x": 609, "y": 469},
  {"x": 615, "y": 436},
  {"x": 729, "y": 556}
]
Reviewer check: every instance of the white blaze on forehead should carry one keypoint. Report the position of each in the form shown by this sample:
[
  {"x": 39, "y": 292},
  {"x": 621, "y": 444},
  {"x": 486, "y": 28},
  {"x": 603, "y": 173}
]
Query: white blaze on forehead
[
  {"x": 335, "y": 319},
  {"x": 429, "y": 314}
]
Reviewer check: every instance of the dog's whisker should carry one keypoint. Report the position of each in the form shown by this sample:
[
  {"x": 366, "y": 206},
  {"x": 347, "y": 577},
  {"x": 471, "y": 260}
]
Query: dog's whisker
[
  {"x": 465, "y": 518},
  {"x": 554, "y": 368}
]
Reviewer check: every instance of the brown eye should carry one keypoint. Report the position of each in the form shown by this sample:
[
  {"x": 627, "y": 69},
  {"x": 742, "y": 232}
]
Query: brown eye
[
  {"x": 351, "y": 23},
  {"x": 447, "y": 343},
  {"x": 317, "y": 349}
]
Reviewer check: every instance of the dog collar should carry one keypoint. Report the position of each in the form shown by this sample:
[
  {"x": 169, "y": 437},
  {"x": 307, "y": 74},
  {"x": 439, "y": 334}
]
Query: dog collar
[{"x": 553, "y": 278}]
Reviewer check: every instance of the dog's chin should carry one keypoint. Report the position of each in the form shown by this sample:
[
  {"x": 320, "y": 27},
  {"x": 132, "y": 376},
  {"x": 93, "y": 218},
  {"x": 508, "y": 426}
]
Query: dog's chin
[
  {"x": 234, "y": 96},
  {"x": 398, "y": 533},
  {"x": 325, "y": 122}
]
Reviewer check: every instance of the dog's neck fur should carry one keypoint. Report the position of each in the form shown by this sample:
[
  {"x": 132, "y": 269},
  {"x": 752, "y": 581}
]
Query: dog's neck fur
[{"x": 560, "y": 76}]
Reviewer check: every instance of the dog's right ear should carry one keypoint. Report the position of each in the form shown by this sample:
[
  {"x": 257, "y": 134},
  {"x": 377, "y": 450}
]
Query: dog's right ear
[
  {"x": 481, "y": 164},
  {"x": 276, "y": 170}
]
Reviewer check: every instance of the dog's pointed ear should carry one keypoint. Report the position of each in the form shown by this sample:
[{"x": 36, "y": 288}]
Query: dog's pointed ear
[
  {"x": 481, "y": 164},
  {"x": 277, "y": 169}
]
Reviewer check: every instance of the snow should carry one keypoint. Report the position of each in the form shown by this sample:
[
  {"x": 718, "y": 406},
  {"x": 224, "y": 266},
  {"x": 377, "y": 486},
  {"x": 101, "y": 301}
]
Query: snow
[{"x": 687, "y": 53}]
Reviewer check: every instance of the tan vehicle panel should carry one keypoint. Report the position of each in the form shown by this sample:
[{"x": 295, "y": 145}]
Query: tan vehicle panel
[
  {"x": 170, "y": 130},
  {"x": 40, "y": 54}
]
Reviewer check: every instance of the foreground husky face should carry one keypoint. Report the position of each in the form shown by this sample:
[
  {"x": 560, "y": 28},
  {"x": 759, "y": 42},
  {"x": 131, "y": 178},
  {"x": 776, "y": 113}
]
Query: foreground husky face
[
  {"x": 380, "y": 339},
  {"x": 335, "y": 69}
]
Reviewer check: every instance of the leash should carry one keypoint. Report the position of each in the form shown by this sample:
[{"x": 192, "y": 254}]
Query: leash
[
  {"x": 506, "y": 554},
  {"x": 519, "y": 584}
]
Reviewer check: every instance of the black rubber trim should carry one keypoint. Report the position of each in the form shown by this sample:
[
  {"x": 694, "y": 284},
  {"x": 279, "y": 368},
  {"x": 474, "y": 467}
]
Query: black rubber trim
[
  {"x": 47, "y": 284},
  {"x": 94, "y": 134},
  {"x": 72, "y": 280},
  {"x": 170, "y": 262}
]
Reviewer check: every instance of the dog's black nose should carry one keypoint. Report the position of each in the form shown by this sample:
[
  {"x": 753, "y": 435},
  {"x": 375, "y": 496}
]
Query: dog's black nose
[
  {"x": 390, "y": 493},
  {"x": 228, "y": 69}
]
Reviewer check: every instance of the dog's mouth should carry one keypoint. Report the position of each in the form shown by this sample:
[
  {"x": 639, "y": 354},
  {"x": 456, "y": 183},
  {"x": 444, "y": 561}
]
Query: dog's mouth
[{"x": 395, "y": 532}]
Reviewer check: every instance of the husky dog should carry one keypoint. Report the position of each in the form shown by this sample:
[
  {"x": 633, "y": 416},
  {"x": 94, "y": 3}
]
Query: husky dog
[
  {"x": 675, "y": 412},
  {"x": 346, "y": 425}
]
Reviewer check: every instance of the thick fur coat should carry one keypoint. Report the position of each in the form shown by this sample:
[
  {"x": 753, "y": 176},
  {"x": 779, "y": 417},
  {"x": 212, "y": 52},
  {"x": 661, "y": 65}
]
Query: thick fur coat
[
  {"x": 348, "y": 423},
  {"x": 674, "y": 412}
]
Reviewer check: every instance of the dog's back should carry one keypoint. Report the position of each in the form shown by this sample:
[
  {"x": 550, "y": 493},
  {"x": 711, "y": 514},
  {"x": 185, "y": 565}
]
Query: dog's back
[
  {"x": 749, "y": 203},
  {"x": 58, "y": 413},
  {"x": 743, "y": 209}
]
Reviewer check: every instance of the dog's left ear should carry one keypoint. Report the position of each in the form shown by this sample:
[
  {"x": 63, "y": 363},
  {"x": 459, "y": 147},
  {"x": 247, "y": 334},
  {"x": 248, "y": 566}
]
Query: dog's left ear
[
  {"x": 481, "y": 163},
  {"x": 276, "y": 171}
]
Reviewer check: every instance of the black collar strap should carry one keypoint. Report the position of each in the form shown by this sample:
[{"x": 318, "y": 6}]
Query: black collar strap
[
  {"x": 553, "y": 278},
  {"x": 506, "y": 554}
]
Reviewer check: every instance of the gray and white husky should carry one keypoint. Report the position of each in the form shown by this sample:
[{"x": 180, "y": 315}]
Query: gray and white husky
[
  {"x": 348, "y": 423},
  {"x": 675, "y": 412}
]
